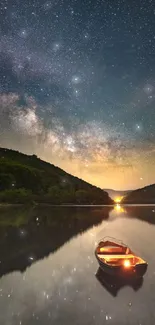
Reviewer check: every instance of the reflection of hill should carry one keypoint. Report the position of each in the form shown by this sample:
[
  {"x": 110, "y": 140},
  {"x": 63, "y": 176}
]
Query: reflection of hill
[
  {"x": 114, "y": 284},
  {"x": 144, "y": 213},
  {"x": 32, "y": 235}
]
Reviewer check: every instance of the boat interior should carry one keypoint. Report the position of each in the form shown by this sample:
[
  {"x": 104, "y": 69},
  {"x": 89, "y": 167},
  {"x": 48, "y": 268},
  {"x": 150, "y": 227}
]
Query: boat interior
[{"x": 116, "y": 255}]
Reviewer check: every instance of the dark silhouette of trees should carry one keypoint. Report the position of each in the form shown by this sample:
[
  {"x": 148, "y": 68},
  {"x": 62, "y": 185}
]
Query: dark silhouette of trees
[
  {"x": 26, "y": 178},
  {"x": 145, "y": 195}
]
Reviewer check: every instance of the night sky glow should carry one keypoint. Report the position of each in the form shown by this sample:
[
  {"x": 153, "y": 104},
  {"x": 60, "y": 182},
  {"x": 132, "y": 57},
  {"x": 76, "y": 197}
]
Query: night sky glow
[{"x": 77, "y": 86}]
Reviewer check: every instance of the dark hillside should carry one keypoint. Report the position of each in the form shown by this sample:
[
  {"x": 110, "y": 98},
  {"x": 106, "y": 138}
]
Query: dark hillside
[
  {"x": 28, "y": 178},
  {"x": 144, "y": 195}
]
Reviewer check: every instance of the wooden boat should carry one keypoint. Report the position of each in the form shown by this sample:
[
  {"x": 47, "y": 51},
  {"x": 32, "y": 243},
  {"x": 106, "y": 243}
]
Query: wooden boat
[{"x": 116, "y": 258}]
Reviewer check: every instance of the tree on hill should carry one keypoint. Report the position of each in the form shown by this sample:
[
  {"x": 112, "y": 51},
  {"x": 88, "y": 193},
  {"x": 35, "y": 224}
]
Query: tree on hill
[
  {"x": 144, "y": 195},
  {"x": 43, "y": 182}
]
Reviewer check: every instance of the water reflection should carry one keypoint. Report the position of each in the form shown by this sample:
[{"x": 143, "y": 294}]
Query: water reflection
[
  {"x": 27, "y": 235},
  {"x": 54, "y": 248},
  {"x": 114, "y": 284},
  {"x": 145, "y": 213},
  {"x": 119, "y": 208},
  {"x": 30, "y": 234}
]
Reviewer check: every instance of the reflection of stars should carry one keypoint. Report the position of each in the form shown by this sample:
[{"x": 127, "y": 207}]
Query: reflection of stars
[
  {"x": 46, "y": 295},
  {"x": 68, "y": 280},
  {"x": 22, "y": 233}
]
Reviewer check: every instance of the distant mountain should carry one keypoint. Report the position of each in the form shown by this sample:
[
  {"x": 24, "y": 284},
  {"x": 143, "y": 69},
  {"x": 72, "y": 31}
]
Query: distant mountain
[
  {"x": 115, "y": 194},
  {"x": 145, "y": 195},
  {"x": 26, "y": 178}
]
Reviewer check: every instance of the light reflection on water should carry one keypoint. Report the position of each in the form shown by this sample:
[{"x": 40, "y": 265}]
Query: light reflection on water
[{"x": 48, "y": 270}]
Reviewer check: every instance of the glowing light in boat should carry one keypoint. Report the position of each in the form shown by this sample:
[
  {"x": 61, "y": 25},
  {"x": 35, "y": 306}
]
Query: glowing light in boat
[{"x": 127, "y": 263}]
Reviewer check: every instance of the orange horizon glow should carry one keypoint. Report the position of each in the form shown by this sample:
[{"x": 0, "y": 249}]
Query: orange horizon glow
[{"x": 118, "y": 199}]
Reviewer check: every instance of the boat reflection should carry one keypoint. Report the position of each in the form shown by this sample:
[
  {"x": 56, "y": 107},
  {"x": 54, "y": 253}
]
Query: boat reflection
[{"x": 113, "y": 284}]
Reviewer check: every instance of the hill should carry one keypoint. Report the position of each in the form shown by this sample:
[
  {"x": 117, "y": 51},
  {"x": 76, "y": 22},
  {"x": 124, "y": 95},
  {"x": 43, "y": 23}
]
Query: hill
[
  {"x": 145, "y": 195},
  {"x": 115, "y": 194},
  {"x": 25, "y": 178}
]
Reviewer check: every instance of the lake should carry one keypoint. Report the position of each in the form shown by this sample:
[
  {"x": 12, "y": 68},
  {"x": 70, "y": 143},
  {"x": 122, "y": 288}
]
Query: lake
[{"x": 49, "y": 274}]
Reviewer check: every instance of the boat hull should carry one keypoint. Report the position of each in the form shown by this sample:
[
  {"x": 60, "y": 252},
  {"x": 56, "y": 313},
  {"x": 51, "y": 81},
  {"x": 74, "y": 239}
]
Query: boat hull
[{"x": 137, "y": 270}]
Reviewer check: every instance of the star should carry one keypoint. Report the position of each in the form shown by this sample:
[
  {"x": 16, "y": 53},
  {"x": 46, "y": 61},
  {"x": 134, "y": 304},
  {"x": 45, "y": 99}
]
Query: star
[
  {"x": 76, "y": 79},
  {"x": 23, "y": 33},
  {"x": 77, "y": 92},
  {"x": 47, "y": 5},
  {"x": 56, "y": 47},
  {"x": 138, "y": 127},
  {"x": 148, "y": 89}
]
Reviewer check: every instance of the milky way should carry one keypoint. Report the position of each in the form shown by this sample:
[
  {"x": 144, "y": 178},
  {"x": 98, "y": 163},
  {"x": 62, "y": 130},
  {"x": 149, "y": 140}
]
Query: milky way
[{"x": 77, "y": 86}]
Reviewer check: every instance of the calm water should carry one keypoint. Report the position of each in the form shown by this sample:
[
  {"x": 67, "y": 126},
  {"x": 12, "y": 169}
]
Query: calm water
[{"x": 49, "y": 274}]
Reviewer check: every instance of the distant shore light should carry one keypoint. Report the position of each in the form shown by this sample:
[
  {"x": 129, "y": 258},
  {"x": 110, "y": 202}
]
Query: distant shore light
[{"x": 118, "y": 199}]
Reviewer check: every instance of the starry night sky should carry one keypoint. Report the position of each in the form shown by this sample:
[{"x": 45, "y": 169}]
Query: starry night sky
[{"x": 77, "y": 86}]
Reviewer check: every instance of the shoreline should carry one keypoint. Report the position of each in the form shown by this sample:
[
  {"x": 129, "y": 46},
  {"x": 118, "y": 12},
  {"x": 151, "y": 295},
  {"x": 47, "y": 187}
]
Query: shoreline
[{"x": 76, "y": 205}]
